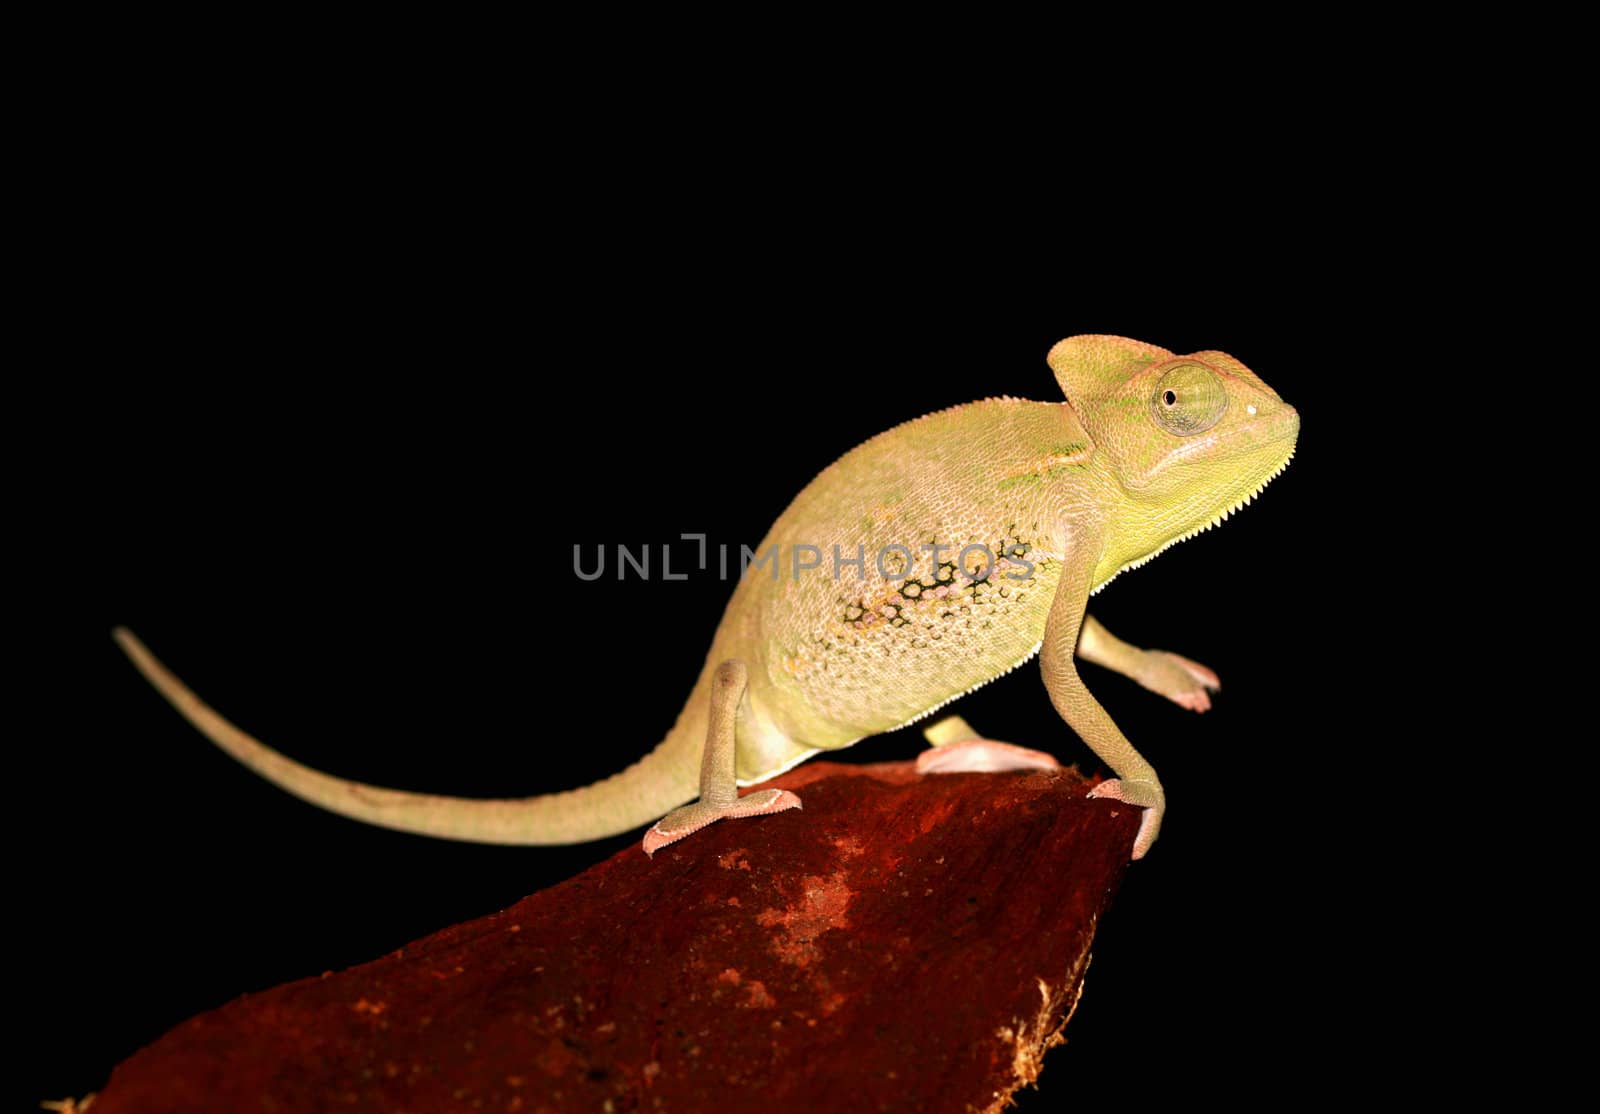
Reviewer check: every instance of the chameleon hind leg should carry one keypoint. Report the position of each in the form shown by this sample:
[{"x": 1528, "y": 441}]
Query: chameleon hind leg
[
  {"x": 719, "y": 788},
  {"x": 958, "y": 749}
]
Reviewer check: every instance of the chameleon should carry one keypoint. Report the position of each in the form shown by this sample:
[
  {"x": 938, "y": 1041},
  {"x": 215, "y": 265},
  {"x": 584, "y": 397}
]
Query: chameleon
[{"x": 926, "y": 562}]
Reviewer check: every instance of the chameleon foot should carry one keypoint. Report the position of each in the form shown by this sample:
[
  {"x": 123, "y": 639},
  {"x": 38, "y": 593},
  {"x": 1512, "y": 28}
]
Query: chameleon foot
[
  {"x": 1149, "y": 796},
  {"x": 982, "y": 756},
  {"x": 691, "y": 818},
  {"x": 1184, "y": 682}
]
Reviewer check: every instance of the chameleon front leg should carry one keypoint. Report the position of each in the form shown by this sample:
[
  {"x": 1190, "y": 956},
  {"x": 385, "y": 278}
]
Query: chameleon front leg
[
  {"x": 719, "y": 788},
  {"x": 1136, "y": 781},
  {"x": 1184, "y": 682}
]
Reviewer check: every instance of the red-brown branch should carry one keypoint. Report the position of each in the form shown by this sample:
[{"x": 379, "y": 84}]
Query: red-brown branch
[{"x": 903, "y": 943}]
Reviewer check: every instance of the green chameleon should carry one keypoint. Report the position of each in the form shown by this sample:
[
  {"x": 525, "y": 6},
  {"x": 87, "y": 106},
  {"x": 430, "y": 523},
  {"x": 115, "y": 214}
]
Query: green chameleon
[{"x": 921, "y": 565}]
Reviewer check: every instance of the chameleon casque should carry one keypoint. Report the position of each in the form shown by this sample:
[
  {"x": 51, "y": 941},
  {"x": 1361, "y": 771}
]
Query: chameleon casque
[{"x": 1055, "y": 499}]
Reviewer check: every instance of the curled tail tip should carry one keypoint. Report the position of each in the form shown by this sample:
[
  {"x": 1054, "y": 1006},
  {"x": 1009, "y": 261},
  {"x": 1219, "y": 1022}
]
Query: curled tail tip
[{"x": 136, "y": 651}]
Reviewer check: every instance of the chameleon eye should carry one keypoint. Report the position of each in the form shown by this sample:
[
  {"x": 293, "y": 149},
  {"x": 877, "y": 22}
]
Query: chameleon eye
[{"x": 1189, "y": 398}]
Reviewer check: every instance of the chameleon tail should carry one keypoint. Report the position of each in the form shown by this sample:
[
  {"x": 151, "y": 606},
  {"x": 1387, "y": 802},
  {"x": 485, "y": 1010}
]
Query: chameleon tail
[{"x": 662, "y": 780}]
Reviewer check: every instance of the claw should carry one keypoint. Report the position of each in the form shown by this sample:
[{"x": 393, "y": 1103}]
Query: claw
[
  {"x": 1186, "y": 683},
  {"x": 1147, "y": 796}
]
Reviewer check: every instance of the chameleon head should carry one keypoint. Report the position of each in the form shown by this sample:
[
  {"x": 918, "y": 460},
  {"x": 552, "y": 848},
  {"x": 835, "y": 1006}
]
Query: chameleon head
[{"x": 1190, "y": 438}]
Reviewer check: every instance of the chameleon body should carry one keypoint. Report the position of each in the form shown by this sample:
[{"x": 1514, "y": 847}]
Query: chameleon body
[{"x": 929, "y": 560}]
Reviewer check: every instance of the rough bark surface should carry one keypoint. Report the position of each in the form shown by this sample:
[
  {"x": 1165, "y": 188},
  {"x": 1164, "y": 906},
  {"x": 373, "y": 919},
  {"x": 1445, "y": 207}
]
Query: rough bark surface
[{"x": 903, "y": 943}]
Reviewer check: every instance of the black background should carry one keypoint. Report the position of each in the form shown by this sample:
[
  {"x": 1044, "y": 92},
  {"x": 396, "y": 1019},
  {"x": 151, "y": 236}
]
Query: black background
[{"x": 326, "y": 445}]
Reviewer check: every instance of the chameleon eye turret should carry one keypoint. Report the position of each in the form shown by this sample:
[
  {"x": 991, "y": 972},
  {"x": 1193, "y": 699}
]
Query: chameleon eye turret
[{"x": 1188, "y": 399}]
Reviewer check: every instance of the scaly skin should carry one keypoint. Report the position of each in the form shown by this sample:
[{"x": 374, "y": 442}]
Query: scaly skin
[{"x": 1149, "y": 449}]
